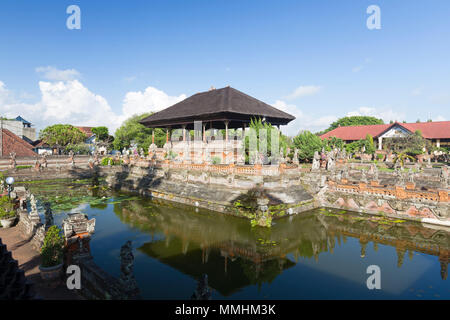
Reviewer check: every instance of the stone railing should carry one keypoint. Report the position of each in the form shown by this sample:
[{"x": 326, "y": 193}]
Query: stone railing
[{"x": 399, "y": 192}]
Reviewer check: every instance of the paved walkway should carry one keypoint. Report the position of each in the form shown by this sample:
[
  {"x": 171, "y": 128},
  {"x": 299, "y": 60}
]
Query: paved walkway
[{"x": 29, "y": 260}]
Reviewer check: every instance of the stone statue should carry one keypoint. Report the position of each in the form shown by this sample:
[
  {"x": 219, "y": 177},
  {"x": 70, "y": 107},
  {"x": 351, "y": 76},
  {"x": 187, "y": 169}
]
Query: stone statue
[
  {"x": 330, "y": 161},
  {"x": 295, "y": 160},
  {"x": 71, "y": 159},
  {"x": 316, "y": 162},
  {"x": 410, "y": 175},
  {"x": 48, "y": 215},
  {"x": 203, "y": 291},
  {"x": 375, "y": 173},
  {"x": 12, "y": 161},
  {"x": 44, "y": 161},
  {"x": 363, "y": 176},
  {"x": 126, "y": 267}
]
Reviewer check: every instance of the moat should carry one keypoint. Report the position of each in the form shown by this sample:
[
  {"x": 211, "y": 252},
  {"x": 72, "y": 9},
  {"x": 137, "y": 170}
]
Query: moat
[{"x": 319, "y": 254}]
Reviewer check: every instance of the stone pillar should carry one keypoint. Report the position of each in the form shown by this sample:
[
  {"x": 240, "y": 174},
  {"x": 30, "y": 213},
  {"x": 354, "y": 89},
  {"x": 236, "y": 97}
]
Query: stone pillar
[
  {"x": 380, "y": 143},
  {"x": 167, "y": 135}
]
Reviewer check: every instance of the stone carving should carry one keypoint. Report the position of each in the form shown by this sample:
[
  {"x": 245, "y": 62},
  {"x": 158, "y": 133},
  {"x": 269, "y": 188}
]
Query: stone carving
[
  {"x": 202, "y": 292},
  {"x": 410, "y": 176},
  {"x": 71, "y": 159},
  {"x": 12, "y": 161},
  {"x": 375, "y": 173},
  {"x": 443, "y": 177},
  {"x": 363, "y": 176},
  {"x": 44, "y": 161},
  {"x": 77, "y": 223},
  {"x": 34, "y": 215},
  {"x": 330, "y": 161},
  {"x": 316, "y": 162},
  {"x": 126, "y": 267},
  {"x": 295, "y": 160},
  {"x": 48, "y": 215}
]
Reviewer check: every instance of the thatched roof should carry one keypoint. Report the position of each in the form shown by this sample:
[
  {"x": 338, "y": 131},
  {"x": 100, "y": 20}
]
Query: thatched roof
[{"x": 216, "y": 106}]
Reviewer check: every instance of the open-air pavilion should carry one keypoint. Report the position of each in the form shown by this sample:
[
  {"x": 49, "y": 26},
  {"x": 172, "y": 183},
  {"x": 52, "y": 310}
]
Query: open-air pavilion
[{"x": 225, "y": 108}]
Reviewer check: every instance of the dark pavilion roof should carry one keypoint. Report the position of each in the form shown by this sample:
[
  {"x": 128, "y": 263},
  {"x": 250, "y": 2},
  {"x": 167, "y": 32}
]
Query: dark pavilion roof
[{"x": 216, "y": 106}]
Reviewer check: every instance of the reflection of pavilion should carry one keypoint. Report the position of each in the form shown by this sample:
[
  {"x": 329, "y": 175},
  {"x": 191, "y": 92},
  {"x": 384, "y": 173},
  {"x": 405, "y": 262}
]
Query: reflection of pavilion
[{"x": 234, "y": 256}]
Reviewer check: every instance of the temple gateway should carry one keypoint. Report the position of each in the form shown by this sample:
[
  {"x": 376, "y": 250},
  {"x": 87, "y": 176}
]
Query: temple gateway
[{"x": 225, "y": 108}]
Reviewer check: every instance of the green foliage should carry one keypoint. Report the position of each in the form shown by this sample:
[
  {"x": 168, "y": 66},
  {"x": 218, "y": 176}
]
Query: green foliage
[
  {"x": 401, "y": 158},
  {"x": 368, "y": 143},
  {"x": 412, "y": 144},
  {"x": 80, "y": 148},
  {"x": 352, "y": 121},
  {"x": 171, "y": 155},
  {"x": 333, "y": 142},
  {"x": 62, "y": 135},
  {"x": 52, "y": 250},
  {"x": 102, "y": 133},
  {"x": 132, "y": 131},
  {"x": 105, "y": 162},
  {"x": 307, "y": 143},
  {"x": 215, "y": 160},
  {"x": 23, "y": 167},
  {"x": 257, "y": 125},
  {"x": 6, "y": 208}
]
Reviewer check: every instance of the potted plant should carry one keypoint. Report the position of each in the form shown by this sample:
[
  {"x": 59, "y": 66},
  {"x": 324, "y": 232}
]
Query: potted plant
[
  {"x": 52, "y": 254},
  {"x": 7, "y": 212}
]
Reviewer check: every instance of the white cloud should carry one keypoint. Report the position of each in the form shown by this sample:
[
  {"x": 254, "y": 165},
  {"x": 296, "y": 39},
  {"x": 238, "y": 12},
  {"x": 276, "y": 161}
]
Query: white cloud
[
  {"x": 304, "y": 91},
  {"x": 387, "y": 114},
  {"x": 439, "y": 118},
  {"x": 71, "y": 102},
  {"x": 302, "y": 121},
  {"x": 357, "y": 69},
  {"x": 151, "y": 99},
  {"x": 54, "y": 74}
]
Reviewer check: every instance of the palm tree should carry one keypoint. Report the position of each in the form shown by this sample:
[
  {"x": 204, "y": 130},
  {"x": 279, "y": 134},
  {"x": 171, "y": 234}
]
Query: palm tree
[{"x": 402, "y": 157}]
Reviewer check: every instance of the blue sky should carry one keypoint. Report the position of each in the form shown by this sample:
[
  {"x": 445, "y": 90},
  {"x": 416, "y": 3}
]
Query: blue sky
[{"x": 314, "y": 59}]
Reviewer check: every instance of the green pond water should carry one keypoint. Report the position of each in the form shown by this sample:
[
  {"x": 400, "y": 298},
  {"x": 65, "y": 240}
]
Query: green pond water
[{"x": 321, "y": 254}]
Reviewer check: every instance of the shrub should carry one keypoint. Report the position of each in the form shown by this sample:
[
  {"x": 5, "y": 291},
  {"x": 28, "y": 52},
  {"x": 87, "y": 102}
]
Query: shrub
[
  {"x": 52, "y": 250},
  {"x": 216, "y": 160},
  {"x": 105, "y": 162},
  {"x": 6, "y": 208}
]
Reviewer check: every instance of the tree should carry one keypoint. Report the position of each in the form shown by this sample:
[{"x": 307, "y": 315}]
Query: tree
[
  {"x": 62, "y": 135},
  {"x": 102, "y": 133},
  {"x": 257, "y": 125},
  {"x": 352, "y": 121},
  {"x": 132, "y": 131},
  {"x": 333, "y": 142},
  {"x": 368, "y": 144},
  {"x": 307, "y": 143},
  {"x": 412, "y": 144}
]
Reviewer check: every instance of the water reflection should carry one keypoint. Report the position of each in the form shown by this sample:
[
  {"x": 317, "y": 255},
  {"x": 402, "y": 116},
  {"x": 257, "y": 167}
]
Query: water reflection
[
  {"x": 317, "y": 254},
  {"x": 234, "y": 255}
]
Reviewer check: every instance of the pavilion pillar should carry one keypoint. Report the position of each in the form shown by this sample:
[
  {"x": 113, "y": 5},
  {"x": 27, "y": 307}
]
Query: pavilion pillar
[
  {"x": 184, "y": 132},
  {"x": 204, "y": 132},
  {"x": 167, "y": 135},
  {"x": 380, "y": 143},
  {"x": 153, "y": 136},
  {"x": 226, "y": 131},
  {"x": 243, "y": 131},
  {"x": 438, "y": 143}
]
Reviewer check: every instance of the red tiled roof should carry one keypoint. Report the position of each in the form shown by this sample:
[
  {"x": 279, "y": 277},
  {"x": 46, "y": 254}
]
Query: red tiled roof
[
  {"x": 86, "y": 130},
  {"x": 356, "y": 132},
  {"x": 12, "y": 143},
  {"x": 430, "y": 130}
]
